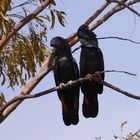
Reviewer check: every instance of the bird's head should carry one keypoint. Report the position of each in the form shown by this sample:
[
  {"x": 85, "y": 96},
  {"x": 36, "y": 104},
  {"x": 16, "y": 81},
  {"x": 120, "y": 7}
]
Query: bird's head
[
  {"x": 84, "y": 34},
  {"x": 83, "y": 29},
  {"x": 59, "y": 44}
]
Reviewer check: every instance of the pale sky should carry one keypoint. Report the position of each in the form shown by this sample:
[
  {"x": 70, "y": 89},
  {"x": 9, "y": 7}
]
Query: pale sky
[{"x": 41, "y": 118}]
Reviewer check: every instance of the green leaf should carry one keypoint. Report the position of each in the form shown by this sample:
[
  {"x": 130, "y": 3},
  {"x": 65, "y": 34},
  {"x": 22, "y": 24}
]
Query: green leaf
[
  {"x": 60, "y": 17},
  {"x": 52, "y": 19},
  {"x": 45, "y": 51},
  {"x": 4, "y": 17},
  {"x": 53, "y": 3},
  {"x": 62, "y": 12},
  {"x": 48, "y": 18},
  {"x": 45, "y": 17},
  {"x": 25, "y": 11}
]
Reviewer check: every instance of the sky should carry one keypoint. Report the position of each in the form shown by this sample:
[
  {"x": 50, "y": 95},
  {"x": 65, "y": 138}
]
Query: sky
[{"x": 41, "y": 118}]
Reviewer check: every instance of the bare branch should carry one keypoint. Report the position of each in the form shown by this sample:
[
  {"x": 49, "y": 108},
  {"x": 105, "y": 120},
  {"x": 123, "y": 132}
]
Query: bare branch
[
  {"x": 118, "y": 89},
  {"x": 132, "y": 135},
  {"x": 67, "y": 85},
  {"x": 117, "y": 71},
  {"x": 112, "y": 37},
  {"x": 23, "y": 22},
  {"x": 119, "y": 38},
  {"x": 99, "y": 80},
  {"x": 110, "y": 13},
  {"x": 22, "y": 4},
  {"x": 121, "y": 3},
  {"x": 76, "y": 49},
  {"x": 92, "y": 18},
  {"x": 105, "y": 18}
]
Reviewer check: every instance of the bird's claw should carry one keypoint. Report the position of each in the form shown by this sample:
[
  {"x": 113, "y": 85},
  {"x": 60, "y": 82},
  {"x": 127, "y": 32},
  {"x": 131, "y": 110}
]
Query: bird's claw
[
  {"x": 98, "y": 74},
  {"x": 89, "y": 76},
  {"x": 70, "y": 82},
  {"x": 61, "y": 85}
]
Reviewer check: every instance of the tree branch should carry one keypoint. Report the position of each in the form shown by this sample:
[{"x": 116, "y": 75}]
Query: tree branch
[
  {"x": 22, "y": 4},
  {"x": 5, "y": 39},
  {"x": 112, "y": 12},
  {"x": 117, "y": 71},
  {"x": 122, "y": 3},
  {"x": 119, "y": 38},
  {"x": 67, "y": 85},
  {"x": 112, "y": 37},
  {"x": 92, "y": 18},
  {"x": 105, "y": 18},
  {"x": 118, "y": 89},
  {"x": 108, "y": 37},
  {"x": 132, "y": 135}
]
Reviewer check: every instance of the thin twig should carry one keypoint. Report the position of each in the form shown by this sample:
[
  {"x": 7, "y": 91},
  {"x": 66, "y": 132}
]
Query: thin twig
[
  {"x": 112, "y": 37},
  {"x": 119, "y": 90},
  {"x": 118, "y": 71},
  {"x": 121, "y": 3},
  {"x": 119, "y": 38},
  {"x": 128, "y": 94},
  {"x": 76, "y": 49},
  {"x": 22, "y": 4},
  {"x": 99, "y": 38},
  {"x": 91, "y": 18}
]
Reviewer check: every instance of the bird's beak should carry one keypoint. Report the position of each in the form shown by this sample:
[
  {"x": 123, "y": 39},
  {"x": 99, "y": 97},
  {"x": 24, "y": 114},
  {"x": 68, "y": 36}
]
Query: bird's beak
[{"x": 54, "y": 50}]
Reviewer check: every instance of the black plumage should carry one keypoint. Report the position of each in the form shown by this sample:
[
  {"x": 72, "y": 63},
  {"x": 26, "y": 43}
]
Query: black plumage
[
  {"x": 91, "y": 60},
  {"x": 66, "y": 69}
]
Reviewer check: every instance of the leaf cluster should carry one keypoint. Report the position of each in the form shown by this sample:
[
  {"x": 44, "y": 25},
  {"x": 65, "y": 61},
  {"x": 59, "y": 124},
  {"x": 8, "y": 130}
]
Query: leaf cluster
[{"x": 27, "y": 49}]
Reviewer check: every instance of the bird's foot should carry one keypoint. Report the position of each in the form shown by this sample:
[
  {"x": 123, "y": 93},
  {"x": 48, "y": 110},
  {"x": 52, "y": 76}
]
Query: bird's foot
[
  {"x": 98, "y": 74},
  {"x": 61, "y": 85},
  {"x": 70, "y": 82},
  {"x": 89, "y": 76}
]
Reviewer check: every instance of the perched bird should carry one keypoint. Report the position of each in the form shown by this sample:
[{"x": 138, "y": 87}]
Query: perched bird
[
  {"x": 91, "y": 61},
  {"x": 65, "y": 70}
]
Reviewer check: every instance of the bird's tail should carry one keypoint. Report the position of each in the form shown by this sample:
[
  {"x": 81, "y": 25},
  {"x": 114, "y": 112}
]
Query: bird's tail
[
  {"x": 70, "y": 114},
  {"x": 66, "y": 118},
  {"x": 75, "y": 111},
  {"x": 90, "y": 106}
]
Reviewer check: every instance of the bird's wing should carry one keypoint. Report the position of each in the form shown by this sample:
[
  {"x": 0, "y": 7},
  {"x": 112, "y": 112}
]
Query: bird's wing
[
  {"x": 56, "y": 76},
  {"x": 56, "y": 73},
  {"x": 76, "y": 70},
  {"x": 82, "y": 63},
  {"x": 101, "y": 63}
]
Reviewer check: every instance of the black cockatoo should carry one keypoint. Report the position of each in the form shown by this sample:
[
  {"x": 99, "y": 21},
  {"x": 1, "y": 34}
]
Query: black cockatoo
[
  {"x": 91, "y": 61},
  {"x": 66, "y": 69}
]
